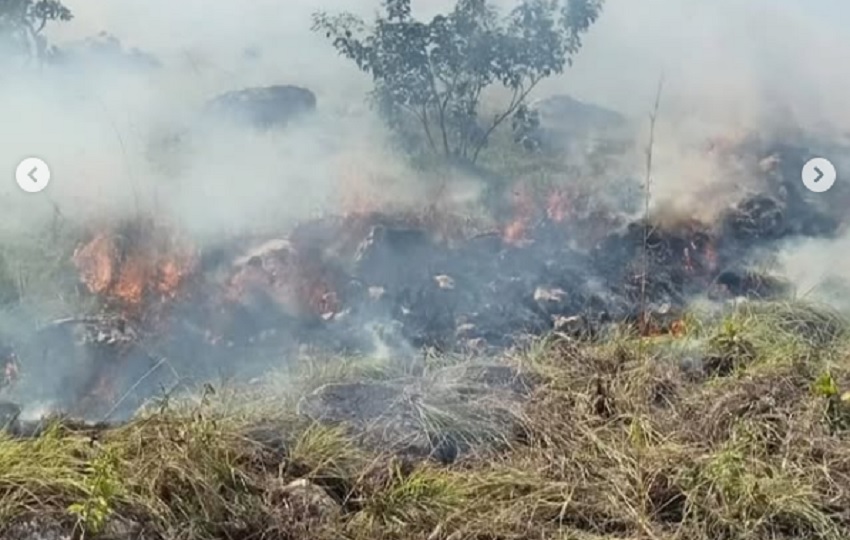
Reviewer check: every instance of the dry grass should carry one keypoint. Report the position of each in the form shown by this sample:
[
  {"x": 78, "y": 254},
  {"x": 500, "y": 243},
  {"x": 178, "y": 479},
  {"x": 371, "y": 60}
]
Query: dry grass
[{"x": 736, "y": 430}]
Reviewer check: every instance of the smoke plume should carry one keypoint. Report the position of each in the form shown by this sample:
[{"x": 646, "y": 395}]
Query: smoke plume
[{"x": 124, "y": 136}]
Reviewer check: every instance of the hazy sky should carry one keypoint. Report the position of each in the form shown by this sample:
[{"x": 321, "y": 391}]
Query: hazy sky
[
  {"x": 709, "y": 49},
  {"x": 729, "y": 65}
]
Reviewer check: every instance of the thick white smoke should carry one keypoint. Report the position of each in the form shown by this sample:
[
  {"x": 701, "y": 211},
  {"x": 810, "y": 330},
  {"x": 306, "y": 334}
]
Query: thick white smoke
[{"x": 729, "y": 68}]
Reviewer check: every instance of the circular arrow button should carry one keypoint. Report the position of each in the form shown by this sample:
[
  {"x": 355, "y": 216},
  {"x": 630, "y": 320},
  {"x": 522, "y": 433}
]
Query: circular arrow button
[
  {"x": 819, "y": 175},
  {"x": 32, "y": 175}
]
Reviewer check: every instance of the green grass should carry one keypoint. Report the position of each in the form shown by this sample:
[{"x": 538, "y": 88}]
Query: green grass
[{"x": 618, "y": 441}]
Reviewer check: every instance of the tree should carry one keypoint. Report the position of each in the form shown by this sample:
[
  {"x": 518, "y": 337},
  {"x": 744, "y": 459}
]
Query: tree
[
  {"x": 435, "y": 72},
  {"x": 21, "y": 24}
]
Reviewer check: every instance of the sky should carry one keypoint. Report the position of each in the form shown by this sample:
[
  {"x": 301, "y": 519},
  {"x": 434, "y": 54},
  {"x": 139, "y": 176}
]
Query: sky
[
  {"x": 729, "y": 66},
  {"x": 705, "y": 48}
]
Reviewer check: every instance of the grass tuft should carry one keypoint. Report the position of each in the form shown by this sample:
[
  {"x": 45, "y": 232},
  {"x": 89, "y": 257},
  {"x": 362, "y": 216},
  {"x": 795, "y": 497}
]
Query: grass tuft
[{"x": 737, "y": 428}]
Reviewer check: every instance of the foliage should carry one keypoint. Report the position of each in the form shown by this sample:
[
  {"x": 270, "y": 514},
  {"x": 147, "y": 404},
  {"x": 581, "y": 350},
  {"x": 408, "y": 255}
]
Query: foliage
[
  {"x": 102, "y": 486},
  {"x": 434, "y": 73},
  {"x": 22, "y": 22},
  {"x": 837, "y": 410}
]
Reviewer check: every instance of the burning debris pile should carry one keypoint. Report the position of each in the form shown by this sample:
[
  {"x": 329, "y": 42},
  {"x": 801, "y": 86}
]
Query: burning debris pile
[
  {"x": 376, "y": 283},
  {"x": 137, "y": 266}
]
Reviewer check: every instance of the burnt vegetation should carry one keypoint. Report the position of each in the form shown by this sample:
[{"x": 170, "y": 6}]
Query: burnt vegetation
[{"x": 558, "y": 366}]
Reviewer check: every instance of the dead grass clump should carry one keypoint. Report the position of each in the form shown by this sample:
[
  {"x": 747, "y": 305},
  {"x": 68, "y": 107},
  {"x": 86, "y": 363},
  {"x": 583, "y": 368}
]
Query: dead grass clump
[
  {"x": 647, "y": 450},
  {"x": 603, "y": 441}
]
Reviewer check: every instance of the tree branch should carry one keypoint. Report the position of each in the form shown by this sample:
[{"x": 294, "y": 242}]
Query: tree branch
[
  {"x": 441, "y": 105},
  {"x": 423, "y": 118},
  {"x": 647, "y": 193},
  {"x": 42, "y": 24},
  {"x": 473, "y": 105},
  {"x": 519, "y": 96}
]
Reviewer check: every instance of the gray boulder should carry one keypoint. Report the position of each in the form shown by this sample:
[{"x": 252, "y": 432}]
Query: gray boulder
[
  {"x": 262, "y": 107},
  {"x": 562, "y": 121},
  {"x": 53, "y": 528},
  {"x": 105, "y": 51},
  {"x": 565, "y": 112}
]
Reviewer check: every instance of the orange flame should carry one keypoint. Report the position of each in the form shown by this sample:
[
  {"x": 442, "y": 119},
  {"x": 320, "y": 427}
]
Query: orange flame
[
  {"x": 95, "y": 262},
  {"x": 516, "y": 232},
  {"x": 133, "y": 278},
  {"x": 130, "y": 270}
]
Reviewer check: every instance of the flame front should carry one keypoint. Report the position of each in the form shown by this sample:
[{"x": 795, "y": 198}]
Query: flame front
[
  {"x": 96, "y": 263},
  {"x": 129, "y": 270}
]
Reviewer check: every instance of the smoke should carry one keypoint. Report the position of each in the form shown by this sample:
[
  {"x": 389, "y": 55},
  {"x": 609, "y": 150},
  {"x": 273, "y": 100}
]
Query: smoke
[
  {"x": 122, "y": 138},
  {"x": 763, "y": 67},
  {"x": 729, "y": 68}
]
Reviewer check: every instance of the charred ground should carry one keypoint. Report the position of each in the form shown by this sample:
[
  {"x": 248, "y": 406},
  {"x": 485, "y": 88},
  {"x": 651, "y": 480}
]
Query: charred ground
[
  {"x": 161, "y": 311},
  {"x": 386, "y": 373}
]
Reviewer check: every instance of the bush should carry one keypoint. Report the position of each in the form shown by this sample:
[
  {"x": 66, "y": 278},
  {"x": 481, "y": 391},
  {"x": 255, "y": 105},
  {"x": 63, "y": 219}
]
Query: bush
[{"x": 429, "y": 76}]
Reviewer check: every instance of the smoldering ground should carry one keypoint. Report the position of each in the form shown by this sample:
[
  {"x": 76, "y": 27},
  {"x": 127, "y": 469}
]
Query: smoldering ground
[{"x": 123, "y": 139}]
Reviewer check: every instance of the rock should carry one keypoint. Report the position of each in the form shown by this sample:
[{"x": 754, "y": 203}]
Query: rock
[
  {"x": 306, "y": 497},
  {"x": 574, "y": 327},
  {"x": 551, "y": 301},
  {"x": 543, "y": 295},
  {"x": 567, "y": 113},
  {"x": 46, "y": 528},
  {"x": 118, "y": 528},
  {"x": 564, "y": 120},
  {"x": 105, "y": 50},
  {"x": 444, "y": 281},
  {"x": 263, "y": 107},
  {"x": 40, "y": 528}
]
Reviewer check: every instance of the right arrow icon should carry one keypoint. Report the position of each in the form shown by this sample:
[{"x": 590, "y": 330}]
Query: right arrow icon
[{"x": 819, "y": 175}]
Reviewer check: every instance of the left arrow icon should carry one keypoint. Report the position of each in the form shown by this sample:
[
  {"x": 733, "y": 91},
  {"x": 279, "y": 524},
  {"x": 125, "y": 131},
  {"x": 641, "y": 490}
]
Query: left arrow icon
[{"x": 32, "y": 175}]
